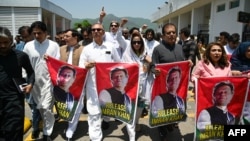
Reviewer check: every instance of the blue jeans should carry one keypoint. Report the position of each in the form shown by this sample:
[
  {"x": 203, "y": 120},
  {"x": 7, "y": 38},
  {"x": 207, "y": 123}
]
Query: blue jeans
[{"x": 36, "y": 116}]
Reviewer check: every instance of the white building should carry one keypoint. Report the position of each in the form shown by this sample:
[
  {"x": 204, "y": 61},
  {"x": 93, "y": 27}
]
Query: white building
[
  {"x": 207, "y": 17},
  {"x": 17, "y": 13}
]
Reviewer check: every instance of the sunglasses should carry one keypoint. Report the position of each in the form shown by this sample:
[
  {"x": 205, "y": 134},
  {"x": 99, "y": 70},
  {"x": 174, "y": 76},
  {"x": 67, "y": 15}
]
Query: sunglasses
[
  {"x": 96, "y": 29},
  {"x": 136, "y": 42},
  {"x": 113, "y": 25}
]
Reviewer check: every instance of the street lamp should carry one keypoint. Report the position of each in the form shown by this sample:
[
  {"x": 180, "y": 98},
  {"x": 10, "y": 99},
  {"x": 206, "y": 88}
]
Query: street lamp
[{"x": 166, "y": 2}]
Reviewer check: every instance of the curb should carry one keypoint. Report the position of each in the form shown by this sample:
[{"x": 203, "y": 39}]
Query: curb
[{"x": 27, "y": 124}]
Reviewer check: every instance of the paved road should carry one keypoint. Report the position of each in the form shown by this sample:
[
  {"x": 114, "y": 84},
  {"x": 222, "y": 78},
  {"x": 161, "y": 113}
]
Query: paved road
[{"x": 118, "y": 132}]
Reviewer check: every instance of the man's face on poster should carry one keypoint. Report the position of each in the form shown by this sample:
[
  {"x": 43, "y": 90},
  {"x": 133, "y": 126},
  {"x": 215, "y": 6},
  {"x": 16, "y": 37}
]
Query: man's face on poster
[
  {"x": 65, "y": 79},
  {"x": 173, "y": 81},
  {"x": 223, "y": 95},
  {"x": 119, "y": 79}
]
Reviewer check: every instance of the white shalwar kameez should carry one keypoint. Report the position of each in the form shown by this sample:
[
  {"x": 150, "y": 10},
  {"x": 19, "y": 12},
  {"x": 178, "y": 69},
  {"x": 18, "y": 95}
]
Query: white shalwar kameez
[
  {"x": 42, "y": 89},
  {"x": 95, "y": 53}
]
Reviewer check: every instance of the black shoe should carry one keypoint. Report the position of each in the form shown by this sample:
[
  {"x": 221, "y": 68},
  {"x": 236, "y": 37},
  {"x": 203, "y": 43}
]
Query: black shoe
[
  {"x": 46, "y": 138},
  {"x": 105, "y": 125},
  {"x": 144, "y": 112},
  {"x": 35, "y": 134}
]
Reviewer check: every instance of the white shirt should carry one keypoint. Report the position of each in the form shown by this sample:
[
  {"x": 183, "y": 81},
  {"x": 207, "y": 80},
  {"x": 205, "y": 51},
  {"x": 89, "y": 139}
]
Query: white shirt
[
  {"x": 93, "y": 52},
  {"x": 150, "y": 45},
  {"x": 118, "y": 41},
  {"x": 229, "y": 51},
  {"x": 41, "y": 91}
]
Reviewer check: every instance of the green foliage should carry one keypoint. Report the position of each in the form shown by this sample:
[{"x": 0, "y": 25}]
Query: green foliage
[{"x": 84, "y": 23}]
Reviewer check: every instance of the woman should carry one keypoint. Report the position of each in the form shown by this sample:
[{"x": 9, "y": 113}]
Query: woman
[
  {"x": 213, "y": 63},
  {"x": 240, "y": 60},
  {"x": 137, "y": 53}
]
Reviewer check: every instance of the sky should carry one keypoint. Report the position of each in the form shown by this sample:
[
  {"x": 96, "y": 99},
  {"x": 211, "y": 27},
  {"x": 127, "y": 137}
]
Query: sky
[{"x": 121, "y": 8}]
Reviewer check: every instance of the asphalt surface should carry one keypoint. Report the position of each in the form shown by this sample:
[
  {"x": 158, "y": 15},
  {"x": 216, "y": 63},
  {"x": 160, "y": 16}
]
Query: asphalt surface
[{"x": 117, "y": 130}]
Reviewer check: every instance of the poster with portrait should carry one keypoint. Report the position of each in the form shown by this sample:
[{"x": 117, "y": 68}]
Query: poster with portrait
[
  {"x": 169, "y": 93},
  {"x": 246, "y": 111},
  {"x": 68, "y": 84},
  {"x": 219, "y": 102},
  {"x": 117, "y": 87}
]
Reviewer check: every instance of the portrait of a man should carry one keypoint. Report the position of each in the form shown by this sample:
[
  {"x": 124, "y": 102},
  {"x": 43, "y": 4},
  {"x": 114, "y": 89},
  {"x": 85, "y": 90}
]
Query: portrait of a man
[
  {"x": 170, "y": 99},
  {"x": 117, "y": 94},
  {"x": 65, "y": 78},
  {"x": 218, "y": 114}
]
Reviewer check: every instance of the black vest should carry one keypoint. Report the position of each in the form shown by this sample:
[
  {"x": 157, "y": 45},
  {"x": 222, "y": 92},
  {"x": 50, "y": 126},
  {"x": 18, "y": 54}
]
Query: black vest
[{"x": 219, "y": 117}]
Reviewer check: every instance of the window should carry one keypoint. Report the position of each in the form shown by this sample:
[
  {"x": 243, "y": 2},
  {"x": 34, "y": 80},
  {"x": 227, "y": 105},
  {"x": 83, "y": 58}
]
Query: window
[
  {"x": 221, "y": 8},
  {"x": 234, "y": 3}
]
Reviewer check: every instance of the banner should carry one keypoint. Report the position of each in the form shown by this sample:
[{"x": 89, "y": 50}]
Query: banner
[
  {"x": 219, "y": 102},
  {"x": 117, "y": 87},
  {"x": 169, "y": 94},
  {"x": 68, "y": 84},
  {"x": 246, "y": 111}
]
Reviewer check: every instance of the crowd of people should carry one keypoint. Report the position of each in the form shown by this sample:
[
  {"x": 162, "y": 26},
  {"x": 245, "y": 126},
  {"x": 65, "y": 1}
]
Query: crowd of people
[{"x": 27, "y": 58}]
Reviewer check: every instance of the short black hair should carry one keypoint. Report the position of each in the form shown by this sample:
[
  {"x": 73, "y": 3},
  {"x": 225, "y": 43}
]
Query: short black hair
[{"x": 38, "y": 24}]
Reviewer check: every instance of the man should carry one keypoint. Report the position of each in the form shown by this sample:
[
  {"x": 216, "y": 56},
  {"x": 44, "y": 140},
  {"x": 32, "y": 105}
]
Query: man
[
  {"x": 150, "y": 42},
  {"x": 86, "y": 36},
  {"x": 26, "y": 36},
  {"x": 167, "y": 52},
  {"x": 115, "y": 34},
  {"x": 117, "y": 94},
  {"x": 97, "y": 51},
  {"x": 70, "y": 53},
  {"x": 223, "y": 38},
  {"x": 170, "y": 100},
  {"x": 233, "y": 43},
  {"x": 218, "y": 114},
  {"x": 189, "y": 47},
  {"x": 11, "y": 100},
  {"x": 65, "y": 79},
  {"x": 125, "y": 33},
  {"x": 42, "y": 89}
]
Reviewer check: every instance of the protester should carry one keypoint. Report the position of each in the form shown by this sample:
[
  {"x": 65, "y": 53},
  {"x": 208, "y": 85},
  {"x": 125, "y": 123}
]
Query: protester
[
  {"x": 167, "y": 52},
  {"x": 70, "y": 53},
  {"x": 137, "y": 53},
  {"x": 97, "y": 51},
  {"x": 42, "y": 89},
  {"x": 11, "y": 100}
]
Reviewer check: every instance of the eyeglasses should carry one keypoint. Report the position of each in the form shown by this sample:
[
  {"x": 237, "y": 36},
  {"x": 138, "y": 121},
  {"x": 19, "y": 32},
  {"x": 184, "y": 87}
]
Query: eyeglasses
[
  {"x": 113, "y": 25},
  {"x": 96, "y": 29},
  {"x": 168, "y": 33},
  {"x": 124, "y": 33},
  {"x": 136, "y": 42}
]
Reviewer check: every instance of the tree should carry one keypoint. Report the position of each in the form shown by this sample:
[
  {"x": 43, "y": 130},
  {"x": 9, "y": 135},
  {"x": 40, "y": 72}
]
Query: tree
[{"x": 84, "y": 23}]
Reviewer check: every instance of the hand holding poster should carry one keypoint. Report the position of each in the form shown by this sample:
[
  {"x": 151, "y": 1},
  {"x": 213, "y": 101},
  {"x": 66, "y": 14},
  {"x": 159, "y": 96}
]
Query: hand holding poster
[
  {"x": 68, "y": 82},
  {"x": 169, "y": 94},
  {"x": 219, "y": 102},
  {"x": 117, "y": 86}
]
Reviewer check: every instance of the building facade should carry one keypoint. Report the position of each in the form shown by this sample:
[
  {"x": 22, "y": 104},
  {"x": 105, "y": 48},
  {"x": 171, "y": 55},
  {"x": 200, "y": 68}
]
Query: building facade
[
  {"x": 17, "y": 13},
  {"x": 203, "y": 17}
]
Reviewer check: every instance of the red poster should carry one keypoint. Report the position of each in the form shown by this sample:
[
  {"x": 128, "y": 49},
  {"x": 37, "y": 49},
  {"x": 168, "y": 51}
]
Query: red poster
[
  {"x": 117, "y": 87},
  {"x": 219, "y": 102},
  {"x": 169, "y": 94},
  {"x": 68, "y": 84}
]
